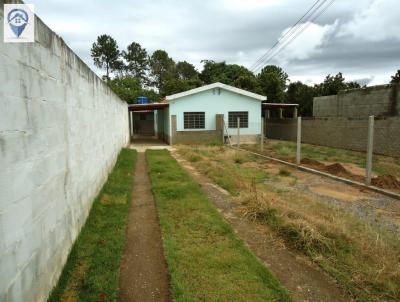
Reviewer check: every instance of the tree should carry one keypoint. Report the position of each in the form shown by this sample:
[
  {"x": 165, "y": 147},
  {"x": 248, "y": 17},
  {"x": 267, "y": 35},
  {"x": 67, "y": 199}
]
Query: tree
[
  {"x": 105, "y": 54},
  {"x": 162, "y": 67},
  {"x": 186, "y": 71},
  {"x": 303, "y": 95},
  {"x": 272, "y": 80},
  {"x": 173, "y": 85},
  {"x": 137, "y": 61},
  {"x": 129, "y": 88},
  {"x": 396, "y": 78},
  {"x": 333, "y": 84},
  {"x": 249, "y": 83},
  {"x": 230, "y": 74}
]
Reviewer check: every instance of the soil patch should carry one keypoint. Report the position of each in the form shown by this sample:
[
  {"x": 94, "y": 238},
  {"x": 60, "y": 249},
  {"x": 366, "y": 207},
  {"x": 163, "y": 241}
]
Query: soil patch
[
  {"x": 386, "y": 182},
  {"x": 303, "y": 279},
  {"x": 312, "y": 163},
  {"x": 143, "y": 275}
]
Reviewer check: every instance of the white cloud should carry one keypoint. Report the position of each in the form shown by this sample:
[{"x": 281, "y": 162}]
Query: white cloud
[
  {"x": 307, "y": 43},
  {"x": 377, "y": 22}
]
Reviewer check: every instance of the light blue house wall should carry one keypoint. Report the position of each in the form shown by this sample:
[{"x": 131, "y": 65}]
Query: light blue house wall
[{"x": 217, "y": 101}]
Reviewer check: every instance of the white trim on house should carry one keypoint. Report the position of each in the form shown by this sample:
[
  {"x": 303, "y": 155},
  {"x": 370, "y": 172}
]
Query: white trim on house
[{"x": 217, "y": 85}]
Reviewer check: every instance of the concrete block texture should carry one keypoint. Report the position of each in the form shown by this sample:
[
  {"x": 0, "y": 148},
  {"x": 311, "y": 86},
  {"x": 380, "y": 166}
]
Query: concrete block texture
[
  {"x": 345, "y": 133},
  {"x": 383, "y": 100},
  {"x": 61, "y": 129}
]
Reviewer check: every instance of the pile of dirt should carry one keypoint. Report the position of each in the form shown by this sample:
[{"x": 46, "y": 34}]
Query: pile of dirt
[
  {"x": 386, "y": 182},
  {"x": 313, "y": 164},
  {"x": 337, "y": 169}
]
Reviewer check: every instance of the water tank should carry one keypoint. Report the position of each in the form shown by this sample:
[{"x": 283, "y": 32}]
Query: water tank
[{"x": 142, "y": 100}]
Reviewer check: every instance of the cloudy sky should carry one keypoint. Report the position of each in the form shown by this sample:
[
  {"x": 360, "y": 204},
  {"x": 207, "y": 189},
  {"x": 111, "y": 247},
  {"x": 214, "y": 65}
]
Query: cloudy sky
[{"x": 359, "y": 38}]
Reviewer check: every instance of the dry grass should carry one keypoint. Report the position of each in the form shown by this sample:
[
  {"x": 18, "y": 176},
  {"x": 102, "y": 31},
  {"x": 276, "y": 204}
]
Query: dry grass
[{"x": 364, "y": 259}]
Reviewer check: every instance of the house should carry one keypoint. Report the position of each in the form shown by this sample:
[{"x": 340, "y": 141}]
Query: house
[{"x": 202, "y": 115}]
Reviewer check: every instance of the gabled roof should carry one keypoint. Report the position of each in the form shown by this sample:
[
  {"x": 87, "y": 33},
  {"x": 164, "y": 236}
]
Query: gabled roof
[{"x": 217, "y": 85}]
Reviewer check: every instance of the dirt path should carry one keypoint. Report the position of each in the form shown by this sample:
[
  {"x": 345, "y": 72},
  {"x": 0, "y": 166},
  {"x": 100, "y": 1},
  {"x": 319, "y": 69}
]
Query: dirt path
[
  {"x": 304, "y": 280},
  {"x": 144, "y": 274}
]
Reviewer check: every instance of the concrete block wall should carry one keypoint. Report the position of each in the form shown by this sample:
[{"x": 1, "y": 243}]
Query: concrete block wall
[
  {"x": 61, "y": 129},
  {"x": 343, "y": 133},
  {"x": 383, "y": 100}
]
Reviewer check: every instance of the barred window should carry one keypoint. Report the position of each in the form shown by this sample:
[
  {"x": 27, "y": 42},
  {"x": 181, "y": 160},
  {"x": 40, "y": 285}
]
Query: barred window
[
  {"x": 193, "y": 120},
  {"x": 234, "y": 115}
]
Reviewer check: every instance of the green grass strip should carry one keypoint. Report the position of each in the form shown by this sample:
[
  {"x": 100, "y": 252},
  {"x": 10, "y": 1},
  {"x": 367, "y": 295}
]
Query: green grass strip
[
  {"x": 92, "y": 269},
  {"x": 206, "y": 260}
]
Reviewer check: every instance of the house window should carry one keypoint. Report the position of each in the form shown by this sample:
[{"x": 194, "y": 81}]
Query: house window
[
  {"x": 193, "y": 120},
  {"x": 233, "y": 117}
]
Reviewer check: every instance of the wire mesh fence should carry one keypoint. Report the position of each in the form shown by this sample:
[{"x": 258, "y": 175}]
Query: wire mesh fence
[{"x": 362, "y": 150}]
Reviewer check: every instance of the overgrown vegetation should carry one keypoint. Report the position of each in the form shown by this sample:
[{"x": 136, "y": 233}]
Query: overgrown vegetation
[
  {"x": 206, "y": 260},
  {"x": 92, "y": 269},
  {"x": 363, "y": 258}
]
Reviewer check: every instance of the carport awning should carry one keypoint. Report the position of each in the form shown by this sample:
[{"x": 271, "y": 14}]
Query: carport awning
[
  {"x": 278, "y": 105},
  {"x": 151, "y": 106}
]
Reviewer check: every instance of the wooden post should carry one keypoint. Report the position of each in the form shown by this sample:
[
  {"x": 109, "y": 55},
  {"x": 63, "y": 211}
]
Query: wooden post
[
  {"x": 298, "y": 153},
  {"x": 370, "y": 147},
  {"x": 262, "y": 135},
  {"x": 238, "y": 132}
]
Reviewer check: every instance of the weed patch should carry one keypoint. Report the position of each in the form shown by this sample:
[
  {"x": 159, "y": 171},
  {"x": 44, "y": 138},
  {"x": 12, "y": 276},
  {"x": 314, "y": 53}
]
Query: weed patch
[
  {"x": 92, "y": 269},
  {"x": 363, "y": 258}
]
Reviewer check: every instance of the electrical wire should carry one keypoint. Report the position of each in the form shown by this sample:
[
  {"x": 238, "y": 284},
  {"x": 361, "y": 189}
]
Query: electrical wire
[{"x": 312, "y": 14}]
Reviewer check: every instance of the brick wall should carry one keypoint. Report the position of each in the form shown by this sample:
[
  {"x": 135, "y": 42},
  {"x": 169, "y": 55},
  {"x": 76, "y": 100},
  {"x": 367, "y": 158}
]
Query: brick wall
[{"x": 61, "y": 129}]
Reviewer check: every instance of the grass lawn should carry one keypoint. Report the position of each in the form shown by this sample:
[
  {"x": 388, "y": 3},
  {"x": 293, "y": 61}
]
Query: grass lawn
[
  {"x": 206, "y": 260},
  {"x": 92, "y": 269},
  {"x": 362, "y": 257}
]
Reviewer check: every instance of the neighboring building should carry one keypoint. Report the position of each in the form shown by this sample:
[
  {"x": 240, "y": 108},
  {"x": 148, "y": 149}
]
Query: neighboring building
[{"x": 204, "y": 115}]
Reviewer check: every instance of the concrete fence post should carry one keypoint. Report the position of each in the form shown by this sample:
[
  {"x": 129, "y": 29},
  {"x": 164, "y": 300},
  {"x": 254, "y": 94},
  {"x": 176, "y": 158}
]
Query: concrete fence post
[
  {"x": 298, "y": 150},
  {"x": 262, "y": 135},
  {"x": 238, "y": 132},
  {"x": 370, "y": 147}
]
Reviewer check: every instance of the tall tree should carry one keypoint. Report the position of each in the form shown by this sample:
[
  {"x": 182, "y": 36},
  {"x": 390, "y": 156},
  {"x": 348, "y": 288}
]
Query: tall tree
[
  {"x": 333, "y": 84},
  {"x": 186, "y": 71},
  {"x": 302, "y": 94},
  {"x": 173, "y": 85},
  {"x": 230, "y": 74},
  {"x": 106, "y": 55},
  {"x": 137, "y": 63},
  {"x": 161, "y": 67},
  {"x": 273, "y": 80}
]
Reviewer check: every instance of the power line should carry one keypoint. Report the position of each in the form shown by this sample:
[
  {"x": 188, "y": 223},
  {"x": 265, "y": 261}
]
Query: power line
[
  {"x": 281, "y": 38},
  {"x": 312, "y": 14},
  {"x": 299, "y": 33}
]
